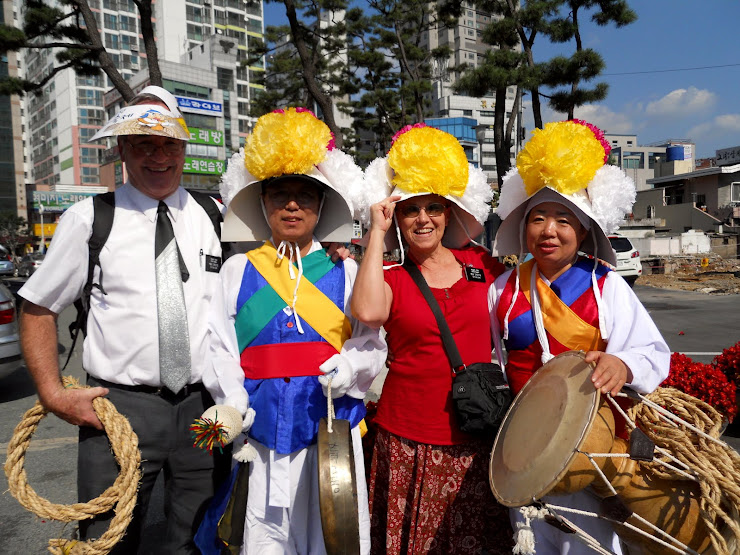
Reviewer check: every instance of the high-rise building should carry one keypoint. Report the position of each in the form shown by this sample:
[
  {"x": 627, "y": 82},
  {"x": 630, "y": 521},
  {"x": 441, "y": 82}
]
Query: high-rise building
[
  {"x": 70, "y": 109},
  {"x": 467, "y": 47},
  {"x": 12, "y": 180}
]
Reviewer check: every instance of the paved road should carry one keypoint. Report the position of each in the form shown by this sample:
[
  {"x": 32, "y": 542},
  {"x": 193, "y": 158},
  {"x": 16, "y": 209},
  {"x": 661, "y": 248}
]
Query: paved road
[{"x": 709, "y": 324}]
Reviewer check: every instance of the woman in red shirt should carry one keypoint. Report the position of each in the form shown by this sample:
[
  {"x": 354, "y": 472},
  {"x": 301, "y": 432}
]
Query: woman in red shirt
[{"x": 428, "y": 486}]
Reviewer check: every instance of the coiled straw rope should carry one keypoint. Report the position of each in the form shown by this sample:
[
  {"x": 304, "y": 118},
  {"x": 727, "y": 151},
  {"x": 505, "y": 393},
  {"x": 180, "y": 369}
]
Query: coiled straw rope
[
  {"x": 715, "y": 465},
  {"x": 121, "y": 495}
]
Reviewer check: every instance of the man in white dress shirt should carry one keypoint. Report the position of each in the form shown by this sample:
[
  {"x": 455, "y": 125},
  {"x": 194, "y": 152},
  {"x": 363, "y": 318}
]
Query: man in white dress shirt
[{"x": 122, "y": 349}]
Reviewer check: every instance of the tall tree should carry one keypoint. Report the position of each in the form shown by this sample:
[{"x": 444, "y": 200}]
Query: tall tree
[
  {"x": 585, "y": 64},
  {"x": 309, "y": 54},
  {"x": 73, "y": 30},
  {"x": 530, "y": 20},
  {"x": 13, "y": 229},
  {"x": 503, "y": 66}
]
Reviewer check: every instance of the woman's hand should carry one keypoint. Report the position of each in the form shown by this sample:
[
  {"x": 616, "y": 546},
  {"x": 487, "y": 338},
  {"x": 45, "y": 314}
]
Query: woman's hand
[
  {"x": 381, "y": 213},
  {"x": 610, "y": 373}
]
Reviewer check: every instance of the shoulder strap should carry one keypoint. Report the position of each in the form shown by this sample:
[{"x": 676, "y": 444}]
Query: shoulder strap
[
  {"x": 103, "y": 210},
  {"x": 208, "y": 204},
  {"x": 447, "y": 340}
]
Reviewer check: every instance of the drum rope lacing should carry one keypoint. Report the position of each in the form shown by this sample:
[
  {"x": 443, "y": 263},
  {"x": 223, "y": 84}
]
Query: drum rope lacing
[
  {"x": 121, "y": 496},
  {"x": 714, "y": 464}
]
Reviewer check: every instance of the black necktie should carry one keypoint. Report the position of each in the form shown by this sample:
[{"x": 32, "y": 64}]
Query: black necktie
[{"x": 174, "y": 340}]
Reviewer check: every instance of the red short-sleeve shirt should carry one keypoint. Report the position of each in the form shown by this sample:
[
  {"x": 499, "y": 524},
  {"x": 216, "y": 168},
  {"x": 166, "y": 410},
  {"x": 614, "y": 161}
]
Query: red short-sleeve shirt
[{"x": 416, "y": 402}]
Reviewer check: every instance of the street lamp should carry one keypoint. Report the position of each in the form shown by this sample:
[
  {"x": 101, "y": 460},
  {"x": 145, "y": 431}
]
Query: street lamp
[
  {"x": 42, "y": 249},
  {"x": 480, "y": 135}
]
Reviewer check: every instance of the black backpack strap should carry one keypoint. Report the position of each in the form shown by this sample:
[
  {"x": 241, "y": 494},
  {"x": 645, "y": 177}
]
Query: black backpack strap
[
  {"x": 447, "y": 340},
  {"x": 103, "y": 211},
  {"x": 214, "y": 214}
]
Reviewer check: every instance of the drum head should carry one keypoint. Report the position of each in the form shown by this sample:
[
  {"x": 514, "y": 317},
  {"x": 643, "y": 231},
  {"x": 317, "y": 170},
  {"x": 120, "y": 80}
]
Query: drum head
[{"x": 544, "y": 426}]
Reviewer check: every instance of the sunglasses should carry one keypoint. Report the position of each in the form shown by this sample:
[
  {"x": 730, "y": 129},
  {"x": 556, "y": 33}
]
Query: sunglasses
[
  {"x": 302, "y": 198},
  {"x": 433, "y": 209},
  {"x": 148, "y": 149}
]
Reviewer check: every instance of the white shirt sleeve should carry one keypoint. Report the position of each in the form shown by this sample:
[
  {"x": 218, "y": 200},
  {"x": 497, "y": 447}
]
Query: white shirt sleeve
[
  {"x": 633, "y": 336},
  {"x": 60, "y": 279},
  {"x": 224, "y": 377},
  {"x": 366, "y": 349}
]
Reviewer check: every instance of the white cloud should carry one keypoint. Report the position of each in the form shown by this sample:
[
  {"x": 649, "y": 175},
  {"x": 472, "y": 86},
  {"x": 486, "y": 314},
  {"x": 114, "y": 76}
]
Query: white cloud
[
  {"x": 718, "y": 130},
  {"x": 597, "y": 114},
  {"x": 682, "y": 102}
]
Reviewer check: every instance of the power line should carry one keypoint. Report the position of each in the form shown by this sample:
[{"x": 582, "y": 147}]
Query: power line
[{"x": 669, "y": 70}]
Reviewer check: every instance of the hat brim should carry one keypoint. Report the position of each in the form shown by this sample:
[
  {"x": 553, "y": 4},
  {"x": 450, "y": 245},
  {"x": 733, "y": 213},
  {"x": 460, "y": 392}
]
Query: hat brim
[
  {"x": 245, "y": 221},
  {"x": 508, "y": 240},
  {"x": 461, "y": 227}
]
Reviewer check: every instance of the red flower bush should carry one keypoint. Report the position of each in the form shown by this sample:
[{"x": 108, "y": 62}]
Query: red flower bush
[
  {"x": 729, "y": 362},
  {"x": 703, "y": 381}
]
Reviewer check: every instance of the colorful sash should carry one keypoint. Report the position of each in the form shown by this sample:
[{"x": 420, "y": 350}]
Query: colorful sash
[
  {"x": 313, "y": 306},
  {"x": 560, "y": 321}
]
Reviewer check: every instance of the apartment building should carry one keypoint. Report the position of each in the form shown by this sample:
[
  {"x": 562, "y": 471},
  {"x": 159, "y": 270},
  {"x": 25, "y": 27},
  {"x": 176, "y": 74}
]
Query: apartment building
[
  {"x": 12, "y": 188},
  {"x": 467, "y": 47},
  {"x": 70, "y": 109}
]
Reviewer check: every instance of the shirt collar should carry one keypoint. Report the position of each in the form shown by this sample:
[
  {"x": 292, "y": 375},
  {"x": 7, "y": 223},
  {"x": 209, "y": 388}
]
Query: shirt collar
[{"x": 148, "y": 206}]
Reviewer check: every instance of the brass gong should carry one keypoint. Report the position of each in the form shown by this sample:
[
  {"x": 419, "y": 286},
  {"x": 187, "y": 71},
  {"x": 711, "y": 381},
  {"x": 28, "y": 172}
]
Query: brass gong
[{"x": 338, "y": 488}]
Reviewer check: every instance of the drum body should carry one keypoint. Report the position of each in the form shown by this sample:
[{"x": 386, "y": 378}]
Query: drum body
[{"x": 538, "y": 451}]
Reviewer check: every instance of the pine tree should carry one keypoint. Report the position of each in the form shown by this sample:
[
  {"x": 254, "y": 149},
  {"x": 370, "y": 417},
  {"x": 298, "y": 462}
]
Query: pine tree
[
  {"x": 73, "y": 30},
  {"x": 585, "y": 64}
]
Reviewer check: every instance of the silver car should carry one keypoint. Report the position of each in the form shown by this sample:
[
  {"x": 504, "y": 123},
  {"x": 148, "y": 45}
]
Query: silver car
[
  {"x": 7, "y": 268},
  {"x": 29, "y": 264},
  {"x": 10, "y": 349}
]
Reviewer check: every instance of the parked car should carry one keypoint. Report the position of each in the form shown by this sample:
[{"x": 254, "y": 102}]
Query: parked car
[
  {"x": 29, "y": 264},
  {"x": 7, "y": 268},
  {"x": 10, "y": 348},
  {"x": 628, "y": 258}
]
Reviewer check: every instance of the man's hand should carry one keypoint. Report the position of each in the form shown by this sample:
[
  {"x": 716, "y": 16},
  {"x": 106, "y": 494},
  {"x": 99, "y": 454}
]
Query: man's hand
[
  {"x": 610, "y": 373},
  {"x": 75, "y": 405},
  {"x": 338, "y": 251},
  {"x": 339, "y": 369}
]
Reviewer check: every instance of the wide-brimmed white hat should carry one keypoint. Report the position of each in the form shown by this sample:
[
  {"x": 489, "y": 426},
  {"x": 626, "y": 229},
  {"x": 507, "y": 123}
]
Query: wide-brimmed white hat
[
  {"x": 422, "y": 161},
  {"x": 289, "y": 144},
  {"x": 148, "y": 119},
  {"x": 565, "y": 163}
]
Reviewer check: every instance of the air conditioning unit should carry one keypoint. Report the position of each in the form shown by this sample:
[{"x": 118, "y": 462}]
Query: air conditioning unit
[{"x": 134, "y": 65}]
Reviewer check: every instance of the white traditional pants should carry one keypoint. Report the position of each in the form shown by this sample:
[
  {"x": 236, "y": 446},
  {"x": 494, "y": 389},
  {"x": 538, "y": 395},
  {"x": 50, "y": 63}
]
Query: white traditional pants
[{"x": 283, "y": 515}]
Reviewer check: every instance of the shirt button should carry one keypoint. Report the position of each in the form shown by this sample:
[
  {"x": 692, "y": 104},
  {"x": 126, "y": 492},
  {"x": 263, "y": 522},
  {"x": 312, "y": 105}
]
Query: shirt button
[
  {"x": 290, "y": 324},
  {"x": 286, "y": 380}
]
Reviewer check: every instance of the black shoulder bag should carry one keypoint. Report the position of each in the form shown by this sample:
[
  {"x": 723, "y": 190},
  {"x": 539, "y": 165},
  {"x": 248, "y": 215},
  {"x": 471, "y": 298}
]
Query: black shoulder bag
[{"x": 480, "y": 393}]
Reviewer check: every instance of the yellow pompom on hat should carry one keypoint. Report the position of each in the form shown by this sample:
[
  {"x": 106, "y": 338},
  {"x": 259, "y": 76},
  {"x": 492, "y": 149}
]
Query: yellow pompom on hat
[
  {"x": 428, "y": 160},
  {"x": 290, "y": 141},
  {"x": 290, "y": 144},
  {"x": 548, "y": 159}
]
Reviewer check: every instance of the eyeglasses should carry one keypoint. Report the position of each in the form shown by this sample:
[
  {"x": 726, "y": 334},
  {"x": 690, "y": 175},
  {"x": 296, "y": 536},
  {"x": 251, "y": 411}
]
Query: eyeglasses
[
  {"x": 148, "y": 149},
  {"x": 433, "y": 209},
  {"x": 302, "y": 198}
]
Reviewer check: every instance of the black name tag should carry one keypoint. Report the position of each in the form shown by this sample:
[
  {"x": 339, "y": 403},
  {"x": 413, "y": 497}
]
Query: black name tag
[
  {"x": 213, "y": 263},
  {"x": 474, "y": 274}
]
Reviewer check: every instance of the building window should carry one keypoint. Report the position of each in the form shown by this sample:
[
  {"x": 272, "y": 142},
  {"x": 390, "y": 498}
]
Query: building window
[
  {"x": 467, "y": 112},
  {"x": 650, "y": 211},
  {"x": 90, "y": 155}
]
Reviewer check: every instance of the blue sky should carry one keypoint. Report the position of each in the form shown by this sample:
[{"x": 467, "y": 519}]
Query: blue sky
[{"x": 698, "y": 104}]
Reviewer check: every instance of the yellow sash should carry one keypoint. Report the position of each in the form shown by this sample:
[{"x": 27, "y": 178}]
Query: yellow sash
[
  {"x": 560, "y": 321},
  {"x": 313, "y": 306}
]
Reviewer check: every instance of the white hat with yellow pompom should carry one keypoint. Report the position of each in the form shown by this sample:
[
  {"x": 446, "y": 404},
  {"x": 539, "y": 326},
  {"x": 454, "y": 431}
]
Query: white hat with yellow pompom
[
  {"x": 565, "y": 162},
  {"x": 424, "y": 160},
  {"x": 290, "y": 143}
]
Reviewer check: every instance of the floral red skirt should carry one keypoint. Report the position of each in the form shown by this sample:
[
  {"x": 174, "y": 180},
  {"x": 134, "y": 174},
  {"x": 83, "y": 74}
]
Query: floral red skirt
[{"x": 434, "y": 499}]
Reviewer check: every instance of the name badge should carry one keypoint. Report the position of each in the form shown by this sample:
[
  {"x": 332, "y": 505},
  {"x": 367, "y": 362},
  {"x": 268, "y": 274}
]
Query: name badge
[
  {"x": 213, "y": 263},
  {"x": 474, "y": 274}
]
